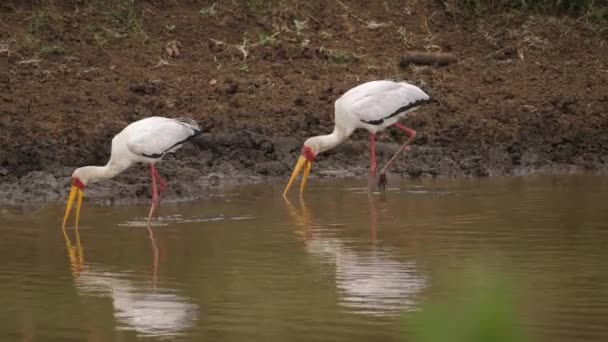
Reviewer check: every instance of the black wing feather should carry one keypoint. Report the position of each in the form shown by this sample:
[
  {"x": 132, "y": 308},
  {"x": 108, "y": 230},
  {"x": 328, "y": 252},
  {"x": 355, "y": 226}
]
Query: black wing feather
[{"x": 397, "y": 112}]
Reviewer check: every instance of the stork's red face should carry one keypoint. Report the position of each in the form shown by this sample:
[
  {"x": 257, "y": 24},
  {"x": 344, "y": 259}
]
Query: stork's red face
[
  {"x": 78, "y": 183},
  {"x": 306, "y": 158},
  {"x": 308, "y": 153},
  {"x": 77, "y": 189}
]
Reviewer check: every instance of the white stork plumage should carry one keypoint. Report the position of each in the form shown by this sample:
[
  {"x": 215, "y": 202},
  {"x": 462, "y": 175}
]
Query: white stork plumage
[
  {"x": 150, "y": 311},
  {"x": 373, "y": 106},
  {"x": 143, "y": 141}
]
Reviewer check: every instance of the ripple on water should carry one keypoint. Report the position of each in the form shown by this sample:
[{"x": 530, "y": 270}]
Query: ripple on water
[{"x": 179, "y": 219}]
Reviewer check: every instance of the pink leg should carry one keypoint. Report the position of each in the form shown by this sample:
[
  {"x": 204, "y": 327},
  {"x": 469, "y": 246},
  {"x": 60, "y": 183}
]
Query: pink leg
[
  {"x": 412, "y": 134},
  {"x": 371, "y": 175},
  {"x": 372, "y": 151},
  {"x": 154, "y": 192},
  {"x": 162, "y": 185}
]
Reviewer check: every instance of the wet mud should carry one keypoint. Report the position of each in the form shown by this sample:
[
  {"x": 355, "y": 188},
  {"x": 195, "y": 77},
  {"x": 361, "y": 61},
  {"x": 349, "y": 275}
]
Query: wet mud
[{"x": 527, "y": 94}]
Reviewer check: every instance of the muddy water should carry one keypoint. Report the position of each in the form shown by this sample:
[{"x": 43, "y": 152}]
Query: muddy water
[{"x": 339, "y": 266}]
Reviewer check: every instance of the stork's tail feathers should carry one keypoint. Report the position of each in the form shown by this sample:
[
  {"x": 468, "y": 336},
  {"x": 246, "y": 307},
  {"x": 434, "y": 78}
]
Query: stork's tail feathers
[
  {"x": 425, "y": 97},
  {"x": 190, "y": 124},
  {"x": 193, "y": 125},
  {"x": 197, "y": 131}
]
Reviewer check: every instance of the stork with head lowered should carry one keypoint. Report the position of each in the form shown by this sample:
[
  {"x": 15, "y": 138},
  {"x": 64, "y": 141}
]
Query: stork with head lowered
[
  {"x": 373, "y": 106},
  {"x": 143, "y": 141}
]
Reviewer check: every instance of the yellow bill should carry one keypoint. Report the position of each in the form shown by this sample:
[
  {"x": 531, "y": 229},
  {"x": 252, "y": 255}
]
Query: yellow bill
[
  {"x": 302, "y": 161},
  {"x": 74, "y": 191},
  {"x": 307, "y": 167}
]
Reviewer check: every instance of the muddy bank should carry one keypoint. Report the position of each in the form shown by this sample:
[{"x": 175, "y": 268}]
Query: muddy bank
[
  {"x": 230, "y": 163},
  {"x": 528, "y": 92}
]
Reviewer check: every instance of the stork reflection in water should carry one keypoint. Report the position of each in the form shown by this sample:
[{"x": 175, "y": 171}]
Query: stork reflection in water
[
  {"x": 152, "y": 312},
  {"x": 372, "y": 282}
]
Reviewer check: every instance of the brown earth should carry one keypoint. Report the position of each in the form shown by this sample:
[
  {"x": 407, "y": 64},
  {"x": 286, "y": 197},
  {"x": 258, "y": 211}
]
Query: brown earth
[{"x": 529, "y": 92}]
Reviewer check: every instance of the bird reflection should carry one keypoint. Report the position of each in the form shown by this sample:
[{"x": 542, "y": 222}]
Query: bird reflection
[
  {"x": 369, "y": 282},
  {"x": 147, "y": 309},
  {"x": 155, "y": 255},
  {"x": 75, "y": 253}
]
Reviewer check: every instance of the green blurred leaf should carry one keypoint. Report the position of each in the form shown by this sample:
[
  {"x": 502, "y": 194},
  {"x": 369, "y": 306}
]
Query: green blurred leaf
[{"x": 480, "y": 310}]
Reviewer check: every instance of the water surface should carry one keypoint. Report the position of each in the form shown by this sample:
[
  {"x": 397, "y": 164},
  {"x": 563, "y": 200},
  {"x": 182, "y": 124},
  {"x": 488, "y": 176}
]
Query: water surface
[{"x": 338, "y": 265}]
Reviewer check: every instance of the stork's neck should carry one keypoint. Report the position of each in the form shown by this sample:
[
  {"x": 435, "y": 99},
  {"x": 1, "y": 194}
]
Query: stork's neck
[
  {"x": 323, "y": 143},
  {"x": 93, "y": 174}
]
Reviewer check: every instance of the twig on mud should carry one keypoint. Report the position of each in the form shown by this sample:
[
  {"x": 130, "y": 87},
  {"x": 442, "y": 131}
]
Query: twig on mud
[
  {"x": 217, "y": 42},
  {"x": 315, "y": 19},
  {"x": 243, "y": 48},
  {"x": 430, "y": 36},
  {"x": 536, "y": 42},
  {"x": 356, "y": 78},
  {"x": 338, "y": 55},
  {"x": 531, "y": 108},
  {"x": 374, "y": 25},
  {"x": 306, "y": 13},
  {"x": 521, "y": 55},
  {"x": 161, "y": 63},
  {"x": 350, "y": 13},
  {"x": 519, "y": 51},
  {"x": 30, "y": 61},
  {"x": 492, "y": 54},
  {"x": 5, "y": 46},
  {"x": 172, "y": 49},
  {"x": 209, "y": 10},
  {"x": 402, "y": 32}
]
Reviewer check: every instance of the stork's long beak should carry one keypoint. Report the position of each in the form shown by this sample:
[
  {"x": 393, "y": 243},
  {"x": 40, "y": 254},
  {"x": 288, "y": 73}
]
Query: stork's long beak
[
  {"x": 302, "y": 162},
  {"x": 74, "y": 192}
]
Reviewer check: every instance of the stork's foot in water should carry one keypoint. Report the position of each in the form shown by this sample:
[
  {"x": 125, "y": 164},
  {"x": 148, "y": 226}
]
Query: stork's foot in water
[
  {"x": 154, "y": 207},
  {"x": 382, "y": 181},
  {"x": 371, "y": 179},
  {"x": 382, "y": 177},
  {"x": 156, "y": 210},
  {"x": 153, "y": 211}
]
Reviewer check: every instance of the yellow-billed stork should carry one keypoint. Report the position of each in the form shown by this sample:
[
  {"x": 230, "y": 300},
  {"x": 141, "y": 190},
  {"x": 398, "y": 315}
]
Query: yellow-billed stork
[
  {"x": 373, "y": 106},
  {"x": 143, "y": 141}
]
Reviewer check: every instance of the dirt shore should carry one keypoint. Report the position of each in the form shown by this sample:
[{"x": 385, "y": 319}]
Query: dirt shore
[{"x": 529, "y": 93}]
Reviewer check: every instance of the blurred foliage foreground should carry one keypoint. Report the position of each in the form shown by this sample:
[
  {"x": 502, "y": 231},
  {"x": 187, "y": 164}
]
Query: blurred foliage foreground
[{"x": 480, "y": 307}]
